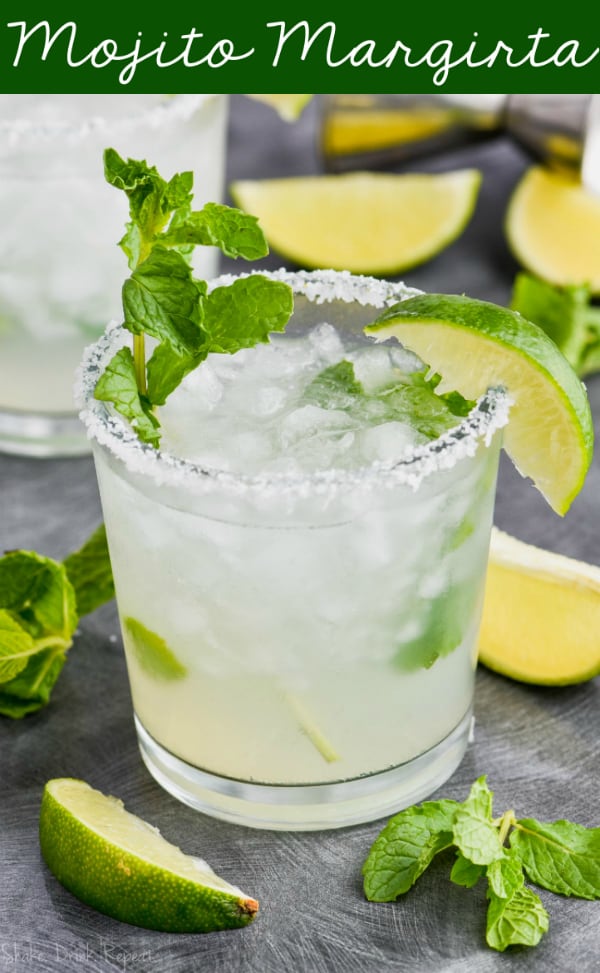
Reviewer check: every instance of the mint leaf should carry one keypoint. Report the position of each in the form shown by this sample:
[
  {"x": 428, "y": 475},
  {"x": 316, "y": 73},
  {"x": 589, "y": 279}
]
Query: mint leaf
[
  {"x": 37, "y": 589},
  {"x": 90, "y": 573},
  {"x": 237, "y": 234},
  {"x": 505, "y": 875},
  {"x": 565, "y": 314},
  {"x": 405, "y": 848},
  {"x": 474, "y": 832},
  {"x": 118, "y": 384},
  {"x": 40, "y": 606},
  {"x": 30, "y": 690},
  {"x": 519, "y": 920},
  {"x": 465, "y": 873},
  {"x": 562, "y": 857},
  {"x": 245, "y": 313},
  {"x": 442, "y": 628},
  {"x": 163, "y": 300},
  {"x": 335, "y": 387},
  {"x": 16, "y": 645},
  {"x": 151, "y": 201},
  {"x": 151, "y": 651},
  {"x": 166, "y": 369}
]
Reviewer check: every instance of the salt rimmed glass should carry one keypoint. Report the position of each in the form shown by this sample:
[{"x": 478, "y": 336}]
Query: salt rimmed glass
[
  {"x": 60, "y": 268},
  {"x": 313, "y": 636}
]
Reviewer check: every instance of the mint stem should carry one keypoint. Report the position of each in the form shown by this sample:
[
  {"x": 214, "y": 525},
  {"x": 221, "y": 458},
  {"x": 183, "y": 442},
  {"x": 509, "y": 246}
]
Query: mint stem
[
  {"x": 139, "y": 358},
  {"x": 309, "y": 727},
  {"x": 507, "y": 821}
]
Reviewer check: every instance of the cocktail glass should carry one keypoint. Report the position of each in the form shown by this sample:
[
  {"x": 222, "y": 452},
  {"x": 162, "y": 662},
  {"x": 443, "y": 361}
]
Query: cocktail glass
[
  {"x": 301, "y": 648},
  {"x": 60, "y": 269}
]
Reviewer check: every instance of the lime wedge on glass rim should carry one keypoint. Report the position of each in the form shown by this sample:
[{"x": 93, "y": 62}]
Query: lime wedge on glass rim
[
  {"x": 120, "y": 865},
  {"x": 476, "y": 345}
]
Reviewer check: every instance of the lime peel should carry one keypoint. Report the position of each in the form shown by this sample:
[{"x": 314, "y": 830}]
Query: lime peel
[
  {"x": 120, "y": 865},
  {"x": 476, "y": 345}
]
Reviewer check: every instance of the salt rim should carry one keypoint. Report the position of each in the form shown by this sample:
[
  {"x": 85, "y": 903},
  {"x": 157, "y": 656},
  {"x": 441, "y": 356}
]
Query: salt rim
[
  {"x": 112, "y": 431},
  {"x": 176, "y": 107}
]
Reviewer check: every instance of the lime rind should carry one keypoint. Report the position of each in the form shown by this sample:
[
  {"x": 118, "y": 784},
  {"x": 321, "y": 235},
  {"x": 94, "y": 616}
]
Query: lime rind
[{"x": 475, "y": 345}]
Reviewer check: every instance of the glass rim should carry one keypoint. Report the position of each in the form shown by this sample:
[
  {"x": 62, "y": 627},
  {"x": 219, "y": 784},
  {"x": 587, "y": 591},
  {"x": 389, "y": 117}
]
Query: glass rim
[
  {"x": 174, "y": 106},
  {"x": 110, "y": 430}
]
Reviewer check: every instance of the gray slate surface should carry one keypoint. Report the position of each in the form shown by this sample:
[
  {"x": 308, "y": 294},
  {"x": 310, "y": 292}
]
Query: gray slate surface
[{"x": 539, "y": 747}]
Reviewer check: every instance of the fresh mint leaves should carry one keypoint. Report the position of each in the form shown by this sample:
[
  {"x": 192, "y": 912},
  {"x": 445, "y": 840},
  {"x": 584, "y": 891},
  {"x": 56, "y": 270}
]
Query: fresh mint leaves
[
  {"x": 562, "y": 857},
  {"x": 41, "y": 601},
  {"x": 566, "y": 315},
  {"x": 409, "y": 398},
  {"x": 162, "y": 299}
]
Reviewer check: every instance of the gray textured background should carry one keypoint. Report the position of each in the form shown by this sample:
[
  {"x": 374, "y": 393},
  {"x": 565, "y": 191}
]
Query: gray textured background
[{"x": 539, "y": 747}]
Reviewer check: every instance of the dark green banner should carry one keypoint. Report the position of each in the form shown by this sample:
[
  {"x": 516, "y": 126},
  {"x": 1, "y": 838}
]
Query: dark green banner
[{"x": 71, "y": 47}]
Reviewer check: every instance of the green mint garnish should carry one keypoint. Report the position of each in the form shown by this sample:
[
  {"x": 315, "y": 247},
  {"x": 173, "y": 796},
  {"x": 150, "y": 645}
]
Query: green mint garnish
[
  {"x": 163, "y": 300},
  {"x": 406, "y": 847},
  {"x": 561, "y": 857},
  {"x": 41, "y": 601},
  {"x": 410, "y": 398},
  {"x": 566, "y": 315}
]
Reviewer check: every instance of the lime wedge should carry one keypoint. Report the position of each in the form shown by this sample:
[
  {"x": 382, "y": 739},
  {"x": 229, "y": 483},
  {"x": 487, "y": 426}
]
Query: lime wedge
[
  {"x": 553, "y": 227},
  {"x": 476, "y": 345},
  {"x": 364, "y": 222},
  {"x": 288, "y": 107},
  {"x": 121, "y": 865},
  {"x": 541, "y": 615}
]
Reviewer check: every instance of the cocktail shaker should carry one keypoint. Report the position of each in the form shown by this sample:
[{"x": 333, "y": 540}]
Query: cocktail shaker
[{"x": 371, "y": 131}]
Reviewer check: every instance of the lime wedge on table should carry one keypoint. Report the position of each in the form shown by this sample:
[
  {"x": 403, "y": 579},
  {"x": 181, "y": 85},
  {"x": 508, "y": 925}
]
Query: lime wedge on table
[
  {"x": 553, "y": 228},
  {"x": 364, "y": 222},
  {"x": 120, "y": 865},
  {"x": 541, "y": 614},
  {"x": 476, "y": 345}
]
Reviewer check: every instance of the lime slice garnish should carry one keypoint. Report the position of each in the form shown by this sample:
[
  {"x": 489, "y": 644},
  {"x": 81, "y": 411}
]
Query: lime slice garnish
[
  {"x": 120, "y": 865},
  {"x": 553, "y": 228},
  {"x": 364, "y": 222},
  {"x": 475, "y": 346},
  {"x": 550, "y": 634}
]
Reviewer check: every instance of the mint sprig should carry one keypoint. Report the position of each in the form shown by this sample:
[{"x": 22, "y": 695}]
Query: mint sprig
[
  {"x": 163, "y": 301},
  {"x": 562, "y": 857},
  {"x": 41, "y": 602},
  {"x": 565, "y": 314}
]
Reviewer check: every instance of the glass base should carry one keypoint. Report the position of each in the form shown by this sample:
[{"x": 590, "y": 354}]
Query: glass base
[
  {"x": 301, "y": 807},
  {"x": 30, "y": 434}
]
